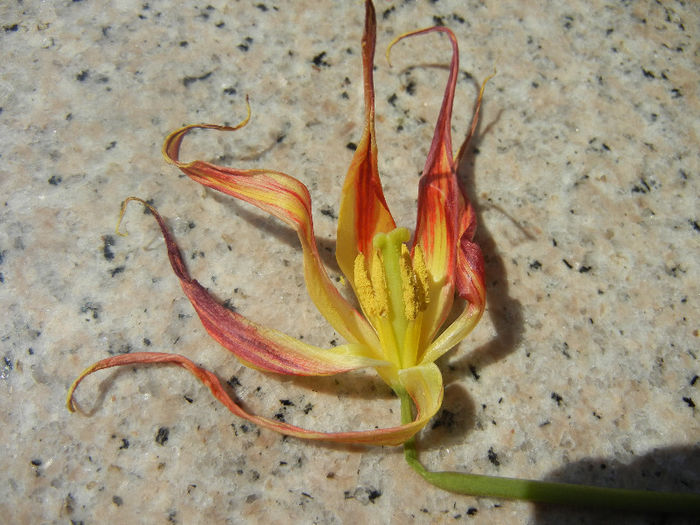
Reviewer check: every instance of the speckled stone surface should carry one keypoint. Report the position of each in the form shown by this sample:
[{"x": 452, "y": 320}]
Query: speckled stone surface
[{"x": 585, "y": 175}]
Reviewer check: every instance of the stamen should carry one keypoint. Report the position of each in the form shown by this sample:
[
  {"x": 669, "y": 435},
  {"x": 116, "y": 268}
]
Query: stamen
[
  {"x": 422, "y": 276},
  {"x": 408, "y": 285},
  {"x": 379, "y": 286},
  {"x": 363, "y": 286}
]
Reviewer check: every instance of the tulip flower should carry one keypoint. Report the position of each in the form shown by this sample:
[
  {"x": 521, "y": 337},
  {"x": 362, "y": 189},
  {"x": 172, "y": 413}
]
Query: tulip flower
[{"x": 405, "y": 288}]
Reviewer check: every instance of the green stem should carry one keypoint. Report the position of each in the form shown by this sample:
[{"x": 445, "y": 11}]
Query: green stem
[{"x": 544, "y": 491}]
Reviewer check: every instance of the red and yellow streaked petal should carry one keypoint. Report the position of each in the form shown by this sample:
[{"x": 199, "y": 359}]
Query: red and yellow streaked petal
[
  {"x": 469, "y": 270},
  {"x": 439, "y": 192},
  {"x": 256, "y": 346},
  {"x": 363, "y": 209},
  {"x": 470, "y": 287},
  {"x": 423, "y": 383},
  {"x": 287, "y": 199}
]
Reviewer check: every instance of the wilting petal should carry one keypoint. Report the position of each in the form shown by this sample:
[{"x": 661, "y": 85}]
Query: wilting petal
[
  {"x": 256, "y": 346},
  {"x": 440, "y": 201},
  {"x": 287, "y": 199},
  {"x": 470, "y": 287},
  {"x": 439, "y": 193},
  {"x": 469, "y": 270},
  {"x": 424, "y": 385},
  {"x": 363, "y": 209}
]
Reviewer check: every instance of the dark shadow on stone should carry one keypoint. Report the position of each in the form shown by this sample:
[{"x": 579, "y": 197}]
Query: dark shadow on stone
[
  {"x": 670, "y": 469},
  {"x": 452, "y": 423},
  {"x": 505, "y": 312}
]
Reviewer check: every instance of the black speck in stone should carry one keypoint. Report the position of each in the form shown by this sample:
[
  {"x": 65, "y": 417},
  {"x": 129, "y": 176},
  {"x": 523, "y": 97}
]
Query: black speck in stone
[
  {"x": 556, "y": 397},
  {"x": 308, "y": 408},
  {"x": 319, "y": 60},
  {"x": 438, "y": 20},
  {"x": 471, "y": 511},
  {"x": 188, "y": 399},
  {"x": 689, "y": 401},
  {"x": 245, "y": 45},
  {"x": 117, "y": 501},
  {"x": 411, "y": 87},
  {"x": 392, "y": 99},
  {"x": 117, "y": 270},
  {"x": 220, "y": 24},
  {"x": 694, "y": 380},
  {"x": 328, "y": 212},
  {"x": 262, "y": 7},
  {"x": 475, "y": 375},
  {"x": 55, "y": 180},
  {"x": 83, "y": 75},
  {"x": 387, "y": 12},
  {"x": 230, "y": 91},
  {"x": 36, "y": 462},
  {"x": 146, "y": 341},
  {"x": 111, "y": 145},
  {"x": 535, "y": 265},
  {"x": 124, "y": 445},
  {"x": 108, "y": 242},
  {"x": 184, "y": 43},
  {"x": 279, "y": 416},
  {"x": 92, "y": 308},
  {"x": 351, "y": 146},
  {"x": 190, "y": 80},
  {"x": 286, "y": 403},
  {"x": 162, "y": 435},
  {"x": 493, "y": 457},
  {"x": 567, "y": 263},
  {"x": 648, "y": 74},
  {"x": 11, "y": 28},
  {"x": 584, "y": 269},
  {"x": 373, "y": 494}
]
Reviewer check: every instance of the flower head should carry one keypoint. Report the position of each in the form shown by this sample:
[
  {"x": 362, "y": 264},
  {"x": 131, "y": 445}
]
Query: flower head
[{"x": 405, "y": 288}]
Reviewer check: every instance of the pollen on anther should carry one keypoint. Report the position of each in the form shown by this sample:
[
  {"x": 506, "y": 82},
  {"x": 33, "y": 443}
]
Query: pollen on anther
[
  {"x": 420, "y": 270},
  {"x": 408, "y": 285},
  {"x": 363, "y": 286},
  {"x": 379, "y": 286}
]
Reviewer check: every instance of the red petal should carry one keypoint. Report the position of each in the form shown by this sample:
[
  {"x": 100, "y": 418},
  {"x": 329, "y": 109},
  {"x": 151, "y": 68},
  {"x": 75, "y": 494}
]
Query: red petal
[
  {"x": 363, "y": 209},
  {"x": 428, "y": 403},
  {"x": 257, "y": 346}
]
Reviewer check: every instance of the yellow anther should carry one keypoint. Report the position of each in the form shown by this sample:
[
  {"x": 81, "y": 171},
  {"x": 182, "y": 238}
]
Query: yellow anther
[
  {"x": 408, "y": 285},
  {"x": 420, "y": 271},
  {"x": 379, "y": 287},
  {"x": 363, "y": 286}
]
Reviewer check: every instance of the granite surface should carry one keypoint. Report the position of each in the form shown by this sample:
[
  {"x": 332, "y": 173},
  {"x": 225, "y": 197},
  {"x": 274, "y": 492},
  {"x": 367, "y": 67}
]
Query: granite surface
[{"x": 585, "y": 174}]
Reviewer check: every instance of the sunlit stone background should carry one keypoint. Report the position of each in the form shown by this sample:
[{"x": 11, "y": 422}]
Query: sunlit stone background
[{"x": 584, "y": 174}]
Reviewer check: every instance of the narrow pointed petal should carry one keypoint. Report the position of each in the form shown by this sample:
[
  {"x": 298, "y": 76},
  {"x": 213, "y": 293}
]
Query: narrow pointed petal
[
  {"x": 363, "y": 209},
  {"x": 256, "y": 346},
  {"x": 424, "y": 386},
  {"x": 439, "y": 192},
  {"x": 440, "y": 202},
  {"x": 287, "y": 199}
]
